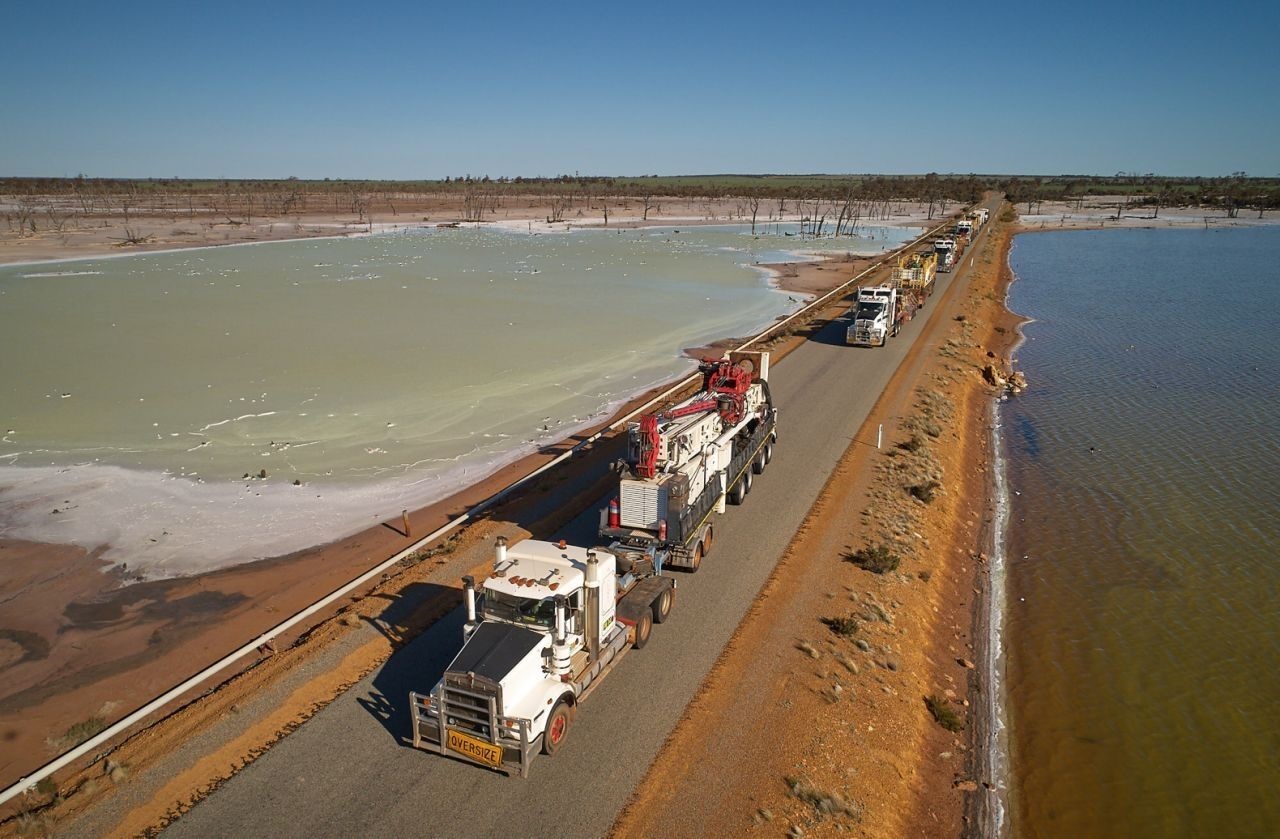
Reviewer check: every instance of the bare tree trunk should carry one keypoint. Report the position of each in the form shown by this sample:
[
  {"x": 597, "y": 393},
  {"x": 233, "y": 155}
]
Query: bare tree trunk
[{"x": 648, "y": 205}]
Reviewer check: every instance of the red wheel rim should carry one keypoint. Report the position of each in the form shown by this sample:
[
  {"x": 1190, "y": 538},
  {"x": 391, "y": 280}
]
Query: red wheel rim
[{"x": 557, "y": 729}]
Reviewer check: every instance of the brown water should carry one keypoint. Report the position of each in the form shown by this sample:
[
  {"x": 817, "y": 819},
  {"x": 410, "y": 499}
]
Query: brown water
[{"x": 1142, "y": 622}]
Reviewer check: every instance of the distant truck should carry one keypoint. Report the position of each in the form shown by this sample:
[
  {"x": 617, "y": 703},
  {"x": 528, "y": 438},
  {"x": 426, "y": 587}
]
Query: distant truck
[
  {"x": 875, "y": 317},
  {"x": 546, "y": 628},
  {"x": 945, "y": 250},
  {"x": 683, "y": 464}
]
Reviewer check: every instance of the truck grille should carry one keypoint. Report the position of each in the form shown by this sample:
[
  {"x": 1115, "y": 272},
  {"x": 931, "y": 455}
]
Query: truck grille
[{"x": 469, "y": 707}]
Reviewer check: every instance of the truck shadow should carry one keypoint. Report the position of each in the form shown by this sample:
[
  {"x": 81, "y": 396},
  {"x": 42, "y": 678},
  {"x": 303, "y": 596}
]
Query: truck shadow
[
  {"x": 418, "y": 664},
  {"x": 831, "y": 332}
]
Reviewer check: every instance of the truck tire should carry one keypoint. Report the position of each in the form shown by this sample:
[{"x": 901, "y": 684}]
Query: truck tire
[
  {"x": 557, "y": 728},
  {"x": 746, "y": 483},
  {"x": 768, "y": 453},
  {"x": 662, "y": 606},
  {"x": 708, "y": 538},
  {"x": 695, "y": 558},
  {"x": 739, "y": 493},
  {"x": 757, "y": 465},
  {"x": 644, "y": 628}
]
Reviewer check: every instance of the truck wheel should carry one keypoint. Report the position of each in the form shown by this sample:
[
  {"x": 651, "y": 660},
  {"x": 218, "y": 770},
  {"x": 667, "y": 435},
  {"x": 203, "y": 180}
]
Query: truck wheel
[
  {"x": 768, "y": 454},
  {"x": 695, "y": 560},
  {"x": 746, "y": 483},
  {"x": 557, "y": 728},
  {"x": 662, "y": 606},
  {"x": 738, "y": 493},
  {"x": 644, "y": 628},
  {"x": 757, "y": 465},
  {"x": 708, "y": 537}
]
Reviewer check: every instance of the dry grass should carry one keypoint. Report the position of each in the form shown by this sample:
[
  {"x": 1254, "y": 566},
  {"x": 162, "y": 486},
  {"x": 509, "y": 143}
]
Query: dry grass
[{"x": 825, "y": 803}]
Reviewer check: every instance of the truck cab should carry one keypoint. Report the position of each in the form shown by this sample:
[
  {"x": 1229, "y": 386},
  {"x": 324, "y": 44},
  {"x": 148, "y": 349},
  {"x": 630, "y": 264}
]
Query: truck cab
[
  {"x": 945, "y": 248},
  {"x": 541, "y": 631},
  {"x": 874, "y": 317}
]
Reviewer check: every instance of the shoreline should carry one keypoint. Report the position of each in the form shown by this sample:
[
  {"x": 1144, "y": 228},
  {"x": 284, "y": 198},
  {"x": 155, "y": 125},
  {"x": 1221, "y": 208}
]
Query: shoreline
[
  {"x": 987, "y": 810},
  {"x": 216, "y": 610},
  {"x": 163, "y": 231}
]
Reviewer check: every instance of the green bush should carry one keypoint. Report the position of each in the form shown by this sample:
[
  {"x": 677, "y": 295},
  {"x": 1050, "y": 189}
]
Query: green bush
[
  {"x": 926, "y": 491},
  {"x": 942, "y": 713},
  {"x": 844, "y": 627},
  {"x": 913, "y": 445},
  {"x": 82, "y": 731},
  {"x": 878, "y": 559}
]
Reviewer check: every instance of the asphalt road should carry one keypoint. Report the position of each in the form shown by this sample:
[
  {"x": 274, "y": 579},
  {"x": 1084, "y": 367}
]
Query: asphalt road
[{"x": 351, "y": 771}]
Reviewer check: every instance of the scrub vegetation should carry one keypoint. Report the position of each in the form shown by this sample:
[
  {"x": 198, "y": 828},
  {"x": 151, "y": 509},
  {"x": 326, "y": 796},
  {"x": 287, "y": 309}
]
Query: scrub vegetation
[
  {"x": 942, "y": 713},
  {"x": 878, "y": 559}
]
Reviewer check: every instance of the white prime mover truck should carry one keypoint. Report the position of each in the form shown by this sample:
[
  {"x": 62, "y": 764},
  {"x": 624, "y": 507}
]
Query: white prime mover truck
[
  {"x": 874, "y": 317},
  {"x": 548, "y": 625}
]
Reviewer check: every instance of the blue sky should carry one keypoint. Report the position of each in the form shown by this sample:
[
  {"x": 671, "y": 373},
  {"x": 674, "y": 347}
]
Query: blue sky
[{"x": 426, "y": 89}]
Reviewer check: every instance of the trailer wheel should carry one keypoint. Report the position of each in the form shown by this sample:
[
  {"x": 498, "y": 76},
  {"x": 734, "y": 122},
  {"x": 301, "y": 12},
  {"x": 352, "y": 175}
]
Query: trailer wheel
[
  {"x": 662, "y": 606},
  {"x": 644, "y": 628},
  {"x": 708, "y": 537},
  {"x": 746, "y": 482},
  {"x": 768, "y": 454},
  {"x": 739, "y": 492},
  {"x": 757, "y": 465},
  {"x": 557, "y": 728}
]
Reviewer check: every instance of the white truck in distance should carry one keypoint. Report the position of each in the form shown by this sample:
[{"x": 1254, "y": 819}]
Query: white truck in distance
[
  {"x": 684, "y": 463},
  {"x": 875, "y": 317},
  {"x": 553, "y": 621},
  {"x": 945, "y": 248}
]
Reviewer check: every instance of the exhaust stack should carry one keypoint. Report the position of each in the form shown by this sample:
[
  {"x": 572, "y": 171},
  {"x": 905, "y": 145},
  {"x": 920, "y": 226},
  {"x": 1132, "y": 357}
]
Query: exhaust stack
[
  {"x": 469, "y": 595},
  {"x": 560, "y": 656},
  {"x": 592, "y": 585}
]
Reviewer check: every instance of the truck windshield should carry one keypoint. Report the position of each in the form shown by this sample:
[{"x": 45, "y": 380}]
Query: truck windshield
[
  {"x": 513, "y": 609},
  {"x": 869, "y": 310}
]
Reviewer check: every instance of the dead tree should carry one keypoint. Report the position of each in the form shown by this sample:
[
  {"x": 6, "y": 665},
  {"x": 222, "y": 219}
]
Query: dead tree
[{"x": 647, "y": 200}]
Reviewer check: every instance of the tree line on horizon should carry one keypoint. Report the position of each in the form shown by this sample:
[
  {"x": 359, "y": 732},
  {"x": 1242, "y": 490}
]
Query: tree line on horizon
[{"x": 861, "y": 196}]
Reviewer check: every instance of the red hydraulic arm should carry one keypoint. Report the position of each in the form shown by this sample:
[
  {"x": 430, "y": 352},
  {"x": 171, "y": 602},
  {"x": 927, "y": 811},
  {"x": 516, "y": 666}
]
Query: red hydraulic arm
[{"x": 726, "y": 387}]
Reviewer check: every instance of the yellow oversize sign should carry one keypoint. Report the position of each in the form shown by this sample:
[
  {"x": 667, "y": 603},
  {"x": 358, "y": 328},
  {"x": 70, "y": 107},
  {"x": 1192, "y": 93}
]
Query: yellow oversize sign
[{"x": 477, "y": 750}]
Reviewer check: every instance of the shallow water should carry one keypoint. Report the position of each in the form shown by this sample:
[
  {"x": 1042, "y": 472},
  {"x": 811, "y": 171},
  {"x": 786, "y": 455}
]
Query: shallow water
[
  {"x": 1143, "y": 622},
  {"x": 380, "y": 373}
]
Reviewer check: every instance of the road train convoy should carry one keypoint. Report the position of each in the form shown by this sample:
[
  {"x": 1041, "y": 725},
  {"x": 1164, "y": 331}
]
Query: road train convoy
[{"x": 551, "y": 621}]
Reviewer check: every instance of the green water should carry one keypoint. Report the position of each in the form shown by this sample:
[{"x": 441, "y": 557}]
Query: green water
[{"x": 378, "y": 373}]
